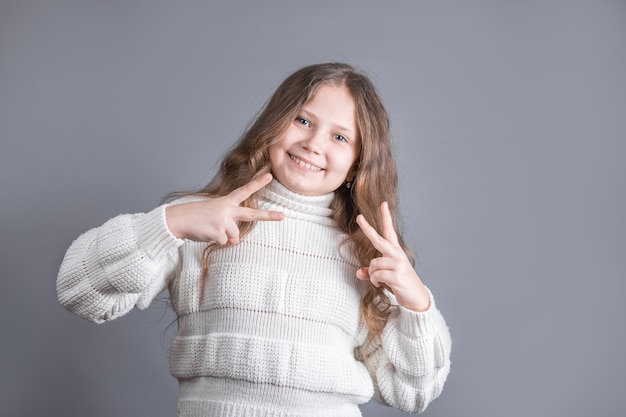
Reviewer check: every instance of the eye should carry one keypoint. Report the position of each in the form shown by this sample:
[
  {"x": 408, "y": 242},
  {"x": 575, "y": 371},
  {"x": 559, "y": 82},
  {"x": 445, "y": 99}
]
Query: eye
[
  {"x": 340, "y": 138},
  {"x": 303, "y": 121}
]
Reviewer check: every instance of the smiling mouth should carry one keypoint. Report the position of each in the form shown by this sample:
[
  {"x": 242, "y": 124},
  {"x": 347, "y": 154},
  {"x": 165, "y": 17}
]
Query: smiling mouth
[{"x": 304, "y": 164}]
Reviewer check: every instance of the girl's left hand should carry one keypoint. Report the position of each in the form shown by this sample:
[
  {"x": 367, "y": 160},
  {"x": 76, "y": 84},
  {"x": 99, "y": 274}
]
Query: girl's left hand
[{"x": 393, "y": 268}]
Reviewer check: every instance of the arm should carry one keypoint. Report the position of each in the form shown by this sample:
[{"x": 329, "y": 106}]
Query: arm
[
  {"x": 410, "y": 363},
  {"x": 124, "y": 263},
  {"x": 412, "y": 360},
  {"x": 130, "y": 259}
]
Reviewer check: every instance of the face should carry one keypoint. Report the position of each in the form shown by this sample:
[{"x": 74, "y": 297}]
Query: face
[{"x": 314, "y": 156}]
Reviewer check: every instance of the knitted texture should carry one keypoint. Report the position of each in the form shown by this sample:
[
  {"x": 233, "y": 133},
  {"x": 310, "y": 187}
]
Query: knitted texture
[{"x": 273, "y": 329}]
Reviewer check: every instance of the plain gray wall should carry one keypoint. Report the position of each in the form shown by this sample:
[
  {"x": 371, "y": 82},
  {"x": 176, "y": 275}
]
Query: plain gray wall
[{"x": 509, "y": 125}]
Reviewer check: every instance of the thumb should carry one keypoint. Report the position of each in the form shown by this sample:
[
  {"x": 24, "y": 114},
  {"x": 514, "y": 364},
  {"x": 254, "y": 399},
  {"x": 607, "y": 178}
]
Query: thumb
[{"x": 363, "y": 273}]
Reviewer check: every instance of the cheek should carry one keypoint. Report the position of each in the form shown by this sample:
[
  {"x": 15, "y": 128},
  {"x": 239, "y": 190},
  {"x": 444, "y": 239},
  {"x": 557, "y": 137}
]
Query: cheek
[
  {"x": 350, "y": 159},
  {"x": 280, "y": 144},
  {"x": 273, "y": 153},
  {"x": 278, "y": 154},
  {"x": 343, "y": 163}
]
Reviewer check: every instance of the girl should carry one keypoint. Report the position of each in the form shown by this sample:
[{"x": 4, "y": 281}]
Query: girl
[{"x": 294, "y": 293}]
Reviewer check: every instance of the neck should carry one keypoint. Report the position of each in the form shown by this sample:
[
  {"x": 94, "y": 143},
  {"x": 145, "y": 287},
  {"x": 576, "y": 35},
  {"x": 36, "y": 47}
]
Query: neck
[{"x": 276, "y": 196}]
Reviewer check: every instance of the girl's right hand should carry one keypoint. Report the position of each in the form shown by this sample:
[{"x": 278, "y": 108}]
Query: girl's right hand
[{"x": 216, "y": 219}]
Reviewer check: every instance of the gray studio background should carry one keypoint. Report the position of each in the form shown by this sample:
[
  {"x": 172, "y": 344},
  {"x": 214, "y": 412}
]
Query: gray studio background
[{"x": 509, "y": 125}]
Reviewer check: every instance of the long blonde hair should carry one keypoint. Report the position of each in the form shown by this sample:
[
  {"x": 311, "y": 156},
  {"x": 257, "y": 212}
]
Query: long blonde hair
[{"x": 375, "y": 169}]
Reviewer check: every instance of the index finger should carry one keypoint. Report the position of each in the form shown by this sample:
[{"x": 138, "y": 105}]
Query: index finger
[{"x": 245, "y": 191}]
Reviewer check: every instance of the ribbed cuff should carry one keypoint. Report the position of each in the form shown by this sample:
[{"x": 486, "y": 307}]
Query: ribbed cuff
[
  {"x": 418, "y": 323},
  {"x": 154, "y": 236}
]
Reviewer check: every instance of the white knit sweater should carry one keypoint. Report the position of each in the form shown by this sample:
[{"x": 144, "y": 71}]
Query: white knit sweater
[{"x": 273, "y": 329}]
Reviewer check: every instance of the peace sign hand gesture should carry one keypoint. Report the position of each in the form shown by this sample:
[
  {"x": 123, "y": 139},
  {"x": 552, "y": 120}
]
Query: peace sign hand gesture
[
  {"x": 217, "y": 219},
  {"x": 393, "y": 268}
]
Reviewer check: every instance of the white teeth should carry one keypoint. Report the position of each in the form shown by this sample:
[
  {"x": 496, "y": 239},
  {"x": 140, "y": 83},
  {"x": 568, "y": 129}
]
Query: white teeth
[{"x": 304, "y": 164}]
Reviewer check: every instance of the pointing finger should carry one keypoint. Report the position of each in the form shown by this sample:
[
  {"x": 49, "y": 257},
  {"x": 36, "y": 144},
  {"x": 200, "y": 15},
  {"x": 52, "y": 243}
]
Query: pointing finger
[{"x": 245, "y": 191}]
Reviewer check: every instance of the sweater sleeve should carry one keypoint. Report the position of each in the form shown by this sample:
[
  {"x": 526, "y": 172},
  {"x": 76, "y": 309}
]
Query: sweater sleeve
[
  {"x": 124, "y": 263},
  {"x": 410, "y": 363}
]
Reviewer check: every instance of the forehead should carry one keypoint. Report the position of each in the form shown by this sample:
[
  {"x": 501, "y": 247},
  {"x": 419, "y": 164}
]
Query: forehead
[{"x": 334, "y": 104}]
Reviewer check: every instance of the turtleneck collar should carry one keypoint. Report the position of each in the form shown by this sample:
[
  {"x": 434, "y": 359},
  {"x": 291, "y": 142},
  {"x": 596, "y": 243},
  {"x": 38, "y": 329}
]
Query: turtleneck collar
[{"x": 277, "y": 197}]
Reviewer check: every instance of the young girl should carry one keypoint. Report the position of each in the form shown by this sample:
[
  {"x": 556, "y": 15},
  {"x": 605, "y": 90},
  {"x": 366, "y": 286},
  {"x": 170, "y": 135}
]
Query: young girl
[{"x": 294, "y": 292}]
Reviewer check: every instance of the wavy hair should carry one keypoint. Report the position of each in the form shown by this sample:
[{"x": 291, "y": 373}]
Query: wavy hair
[{"x": 375, "y": 169}]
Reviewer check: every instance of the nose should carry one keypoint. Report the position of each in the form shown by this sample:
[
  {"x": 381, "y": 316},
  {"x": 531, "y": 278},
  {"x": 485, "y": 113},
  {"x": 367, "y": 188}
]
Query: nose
[{"x": 314, "y": 142}]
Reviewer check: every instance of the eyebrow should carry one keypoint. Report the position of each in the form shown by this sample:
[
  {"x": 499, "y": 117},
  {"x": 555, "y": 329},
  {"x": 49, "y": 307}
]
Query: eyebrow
[{"x": 335, "y": 125}]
